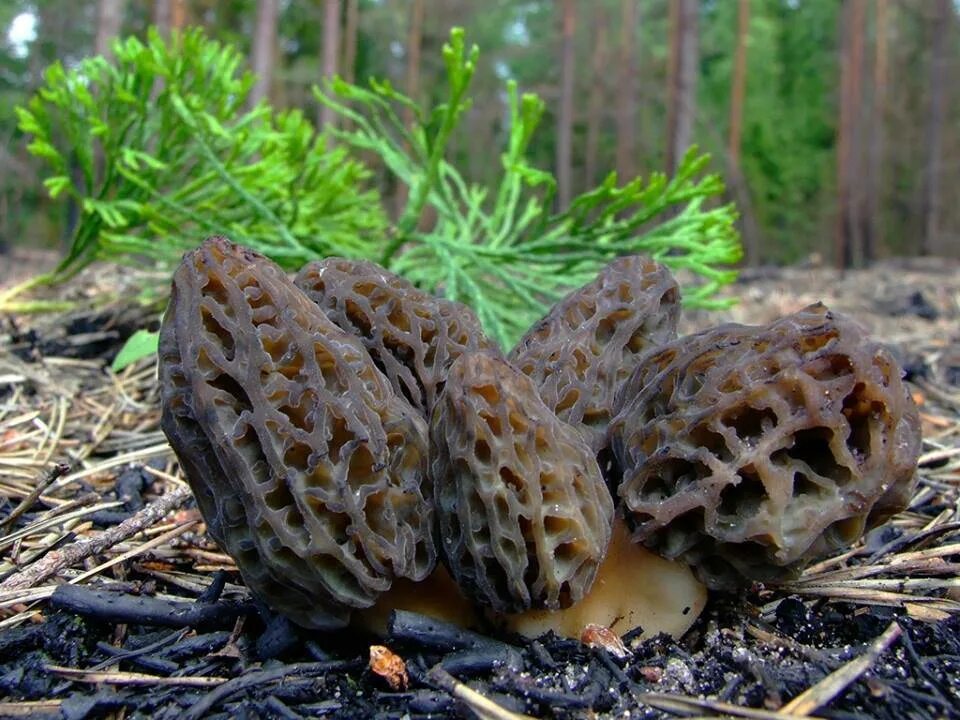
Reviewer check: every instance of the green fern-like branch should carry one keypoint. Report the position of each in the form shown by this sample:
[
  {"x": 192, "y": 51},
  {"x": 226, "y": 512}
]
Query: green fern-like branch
[
  {"x": 505, "y": 252},
  {"x": 158, "y": 150}
]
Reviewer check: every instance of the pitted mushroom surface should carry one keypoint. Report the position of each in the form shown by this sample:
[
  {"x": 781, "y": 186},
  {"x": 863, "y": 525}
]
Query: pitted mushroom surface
[
  {"x": 341, "y": 435},
  {"x": 523, "y": 512},
  {"x": 750, "y": 451},
  {"x": 585, "y": 348},
  {"x": 412, "y": 336},
  {"x": 305, "y": 463}
]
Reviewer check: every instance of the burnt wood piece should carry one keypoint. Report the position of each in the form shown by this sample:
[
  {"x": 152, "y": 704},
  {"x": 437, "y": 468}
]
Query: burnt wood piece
[{"x": 138, "y": 609}]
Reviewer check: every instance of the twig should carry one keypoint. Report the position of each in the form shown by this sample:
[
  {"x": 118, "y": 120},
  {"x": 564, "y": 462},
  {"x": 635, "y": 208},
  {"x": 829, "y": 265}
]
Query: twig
[
  {"x": 213, "y": 698},
  {"x": 87, "y": 547},
  {"x": 837, "y": 681},
  {"x": 46, "y": 479},
  {"x": 142, "y": 610}
]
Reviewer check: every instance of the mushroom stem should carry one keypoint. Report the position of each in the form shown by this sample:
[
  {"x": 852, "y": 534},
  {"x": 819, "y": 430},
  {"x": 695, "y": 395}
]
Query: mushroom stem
[{"x": 633, "y": 588}]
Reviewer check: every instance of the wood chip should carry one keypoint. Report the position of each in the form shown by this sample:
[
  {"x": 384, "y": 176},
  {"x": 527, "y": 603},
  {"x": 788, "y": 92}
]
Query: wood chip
[{"x": 390, "y": 666}]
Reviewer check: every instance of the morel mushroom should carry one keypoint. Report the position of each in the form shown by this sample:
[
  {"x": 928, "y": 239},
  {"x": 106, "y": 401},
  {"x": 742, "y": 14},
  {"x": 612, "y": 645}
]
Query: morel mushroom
[
  {"x": 306, "y": 465},
  {"x": 749, "y": 451},
  {"x": 523, "y": 513},
  {"x": 412, "y": 336},
  {"x": 589, "y": 343}
]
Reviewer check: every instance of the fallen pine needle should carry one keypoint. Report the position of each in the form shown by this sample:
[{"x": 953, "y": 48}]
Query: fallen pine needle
[
  {"x": 130, "y": 678},
  {"x": 483, "y": 707},
  {"x": 837, "y": 681}
]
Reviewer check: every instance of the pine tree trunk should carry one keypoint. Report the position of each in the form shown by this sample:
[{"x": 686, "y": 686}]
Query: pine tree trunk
[
  {"x": 683, "y": 80},
  {"x": 565, "y": 112},
  {"x": 414, "y": 47},
  {"x": 738, "y": 85},
  {"x": 262, "y": 53},
  {"x": 331, "y": 49},
  {"x": 872, "y": 238},
  {"x": 169, "y": 15},
  {"x": 933, "y": 134},
  {"x": 847, "y": 245},
  {"x": 597, "y": 93},
  {"x": 350, "y": 33},
  {"x": 627, "y": 92},
  {"x": 109, "y": 20}
]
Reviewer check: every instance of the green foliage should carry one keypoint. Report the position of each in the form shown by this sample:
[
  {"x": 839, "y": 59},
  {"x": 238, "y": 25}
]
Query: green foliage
[
  {"x": 505, "y": 252},
  {"x": 143, "y": 343},
  {"x": 158, "y": 151}
]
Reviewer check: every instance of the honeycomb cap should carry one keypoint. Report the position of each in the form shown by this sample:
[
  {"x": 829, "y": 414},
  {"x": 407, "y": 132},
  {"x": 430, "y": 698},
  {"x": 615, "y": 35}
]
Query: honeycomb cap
[
  {"x": 585, "y": 348},
  {"x": 412, "y": 336},
  {"x": 306, "y": 465},
  {"x": 523, "y": 512},
  {"x": 748, "y": 451}
]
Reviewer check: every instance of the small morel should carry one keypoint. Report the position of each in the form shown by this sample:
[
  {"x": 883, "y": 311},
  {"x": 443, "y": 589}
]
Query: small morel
[
  {"x": 589, "y": 343},
  {"x": 412, "y": 336},
  {"x": 307, "y": 467},
  {"x": 750, "y": 451},
  {"x": 523, "y": 512}
]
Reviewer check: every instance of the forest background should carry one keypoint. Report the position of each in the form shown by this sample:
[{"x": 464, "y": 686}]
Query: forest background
[{"x": 835, "y": 123}]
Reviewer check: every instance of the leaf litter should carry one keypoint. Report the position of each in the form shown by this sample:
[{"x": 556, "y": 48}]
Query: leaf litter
[{"x": 114, "y": 602}]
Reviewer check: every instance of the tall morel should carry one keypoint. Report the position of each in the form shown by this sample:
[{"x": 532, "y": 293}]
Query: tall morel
[
  {"x": 412, "y": 336},
  {"x": 590, "y": 342},
  {"x": 749, "y": 451},
  {"x": 306, "y": 465},
  {"x": 523, "y": 512}
]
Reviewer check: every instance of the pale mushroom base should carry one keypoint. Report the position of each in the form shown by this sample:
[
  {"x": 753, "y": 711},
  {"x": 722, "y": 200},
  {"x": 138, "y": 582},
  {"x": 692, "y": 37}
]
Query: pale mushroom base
[{"x": 634, "y": 589}]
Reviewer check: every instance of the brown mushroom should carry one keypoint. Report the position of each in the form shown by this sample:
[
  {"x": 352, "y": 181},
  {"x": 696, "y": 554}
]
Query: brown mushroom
[
  {"x": 589, "y": 343},
  {"x": 412, "y": 336},
  {"x": 306, "y": 465},
  {"x": 523, "y": 512},
  {"x": 750, "y": 451}
]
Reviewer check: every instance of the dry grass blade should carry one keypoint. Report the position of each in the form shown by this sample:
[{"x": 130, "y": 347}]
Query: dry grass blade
[
  {"x": 483, "y": 707},
  {"x": 129, "y": 678},
  {"x": 836, "y": 682},
  {"x": 690, "y": 706},
  {"x": 29, "y": 709}
]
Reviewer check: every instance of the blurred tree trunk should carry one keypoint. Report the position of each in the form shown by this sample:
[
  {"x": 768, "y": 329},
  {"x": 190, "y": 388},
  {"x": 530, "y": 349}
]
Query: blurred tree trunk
[
  {"x": 682, "y": 79},
  {"x": 264, "y": 38},
  {"x": 738, "y": 86},
  {"x": 847, "y": 246},
  {"x": 348, "y": 70},
  {"x": 872, "y": 239},
  {"x": 169, "y": 15},
  {"x": 597, "y": 91},
  {"x": 109, "y": 20},
  {"x": 331, "y": 49},
  {"x": 627, "y": 92},
  {"x": 930, "y": 207},
  {"x": 565, "y": 111},
  {"x": 414, "y": 46}
]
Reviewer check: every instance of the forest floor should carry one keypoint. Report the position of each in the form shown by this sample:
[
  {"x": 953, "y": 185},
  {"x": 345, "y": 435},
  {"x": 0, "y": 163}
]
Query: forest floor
[{"x": 114, "y": 603}]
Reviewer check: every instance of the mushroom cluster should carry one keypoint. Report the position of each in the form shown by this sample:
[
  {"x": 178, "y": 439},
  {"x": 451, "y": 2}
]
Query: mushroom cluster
[{"x": 348, "y": 435}]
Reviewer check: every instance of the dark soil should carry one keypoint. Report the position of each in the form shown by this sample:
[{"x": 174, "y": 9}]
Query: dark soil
[{"x": 718, "y": 658}]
